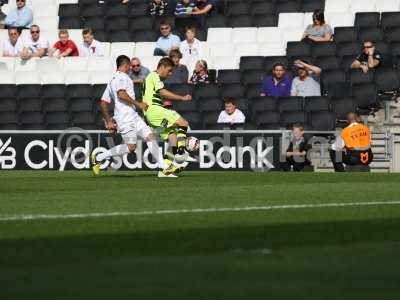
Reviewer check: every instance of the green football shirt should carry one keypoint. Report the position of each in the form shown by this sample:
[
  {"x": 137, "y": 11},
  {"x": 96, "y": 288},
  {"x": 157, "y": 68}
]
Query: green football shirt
[{"x": 153, "y": 85}]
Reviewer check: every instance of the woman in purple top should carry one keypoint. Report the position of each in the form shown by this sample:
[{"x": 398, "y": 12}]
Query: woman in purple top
[{"x": 278, "y": 84}]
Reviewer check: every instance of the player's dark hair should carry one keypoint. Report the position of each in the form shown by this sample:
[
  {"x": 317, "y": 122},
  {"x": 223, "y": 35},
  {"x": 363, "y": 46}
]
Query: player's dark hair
[
  {"x": 122, "y": 60},
  {"x": 318, "y": 15},
  {"x": 165, "y": 62}
]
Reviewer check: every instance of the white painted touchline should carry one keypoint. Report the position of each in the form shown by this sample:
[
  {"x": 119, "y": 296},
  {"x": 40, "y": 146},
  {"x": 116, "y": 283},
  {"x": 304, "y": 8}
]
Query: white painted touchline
[{"x": 5, "y": 218}]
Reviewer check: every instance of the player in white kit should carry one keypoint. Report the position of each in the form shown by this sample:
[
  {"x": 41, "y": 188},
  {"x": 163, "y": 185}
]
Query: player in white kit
[{"x": 126, "y": 121}]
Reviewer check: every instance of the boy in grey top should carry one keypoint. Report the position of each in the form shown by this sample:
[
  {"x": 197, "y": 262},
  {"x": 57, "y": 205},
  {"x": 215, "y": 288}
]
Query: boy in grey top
[{"x": 306, "y": 84}]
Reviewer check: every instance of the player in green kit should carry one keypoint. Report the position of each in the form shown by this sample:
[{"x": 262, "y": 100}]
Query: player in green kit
[{"x": 169, "y": 123}]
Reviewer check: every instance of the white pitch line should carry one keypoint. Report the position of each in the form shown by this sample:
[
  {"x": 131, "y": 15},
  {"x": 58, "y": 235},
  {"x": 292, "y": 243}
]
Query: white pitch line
[{"x": 5, "y": 218}]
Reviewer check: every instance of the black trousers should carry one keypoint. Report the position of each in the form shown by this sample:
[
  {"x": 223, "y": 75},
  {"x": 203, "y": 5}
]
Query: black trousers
[
  {"x": 298, "y": 164},
  {"x": 351, "y": 158}
]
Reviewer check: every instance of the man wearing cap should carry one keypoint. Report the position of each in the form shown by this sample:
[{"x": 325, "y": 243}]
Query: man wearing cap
[
  {"x": 353, "y": 146},
  {"x": 306, "y": 84}
]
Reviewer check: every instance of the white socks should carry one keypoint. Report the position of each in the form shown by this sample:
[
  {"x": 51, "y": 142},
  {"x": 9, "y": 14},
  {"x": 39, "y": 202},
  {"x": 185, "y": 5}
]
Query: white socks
[
  {"x": 114, "y": 151},
  {"x": 155, "y": 152}
]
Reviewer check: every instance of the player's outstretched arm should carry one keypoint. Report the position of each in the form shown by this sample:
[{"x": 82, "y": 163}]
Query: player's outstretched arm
[
  {"x": 174, "y": 97},
  {"x": 123, "y": 95}
]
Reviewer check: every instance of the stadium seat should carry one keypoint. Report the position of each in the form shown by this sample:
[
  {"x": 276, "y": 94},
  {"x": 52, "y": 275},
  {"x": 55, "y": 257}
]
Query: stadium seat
[
  {"x": 366, "y": 95},
  {"x": 331, "y": 79},
  {"x": 252, "y": 77},
  {"x": 240, "y": 21},
  {"x": 323, "y": 49},
  {"x": 211, "y": 104},
  {"x": 367, "y": 19},
  {"x": 290, "y": 104},
  {"x": 80, "y": 96},
  {"x": 237, "y": 8},
  {"x": 251, "y": 63},
  {"x": 195, "y": 120},
  {"x": 27, "y": 77},
  {"x": 70, "y": 22},
  {"x": 92, "y": 10},
  {"x": 244, "y": 35},
  {"x": 233, "y": 90},
  {"x": 269, "y": 35},
  {"x": 387, "y": 80},
  {"x": 342, "y": 106},
  {"x": 117, "y": 23},
  {"x": 219, "y": 35},
  {"x": 316, "y": 104},
  {"x": 356, "y": 76},
  {"x": 97, "y": 77},
  {"x": 139, "y": 10},
  {"x": 117, "y": 10},
  {"x": 370, "y": 33},
  {"x": 229, "y": 76},
  {"x": 69, "y": 10},
  {"x": 348, "y": 49},
  {"x": 311, "y": 5},
  {"x": 225, "y": 62},
  {"x": 392, "y": 34},
  {"x": 339, "y": 20},
  {"x": 345, "y": 34},
  {"x": 289, "y": 118},
  {"x": 215, "y": 21},
  {"x": 7, "y": 63},
  {"x": 26, "y": 92},
  {"x": 290, "y": 6},
  {"x": 146, "y": 35},
  {"x": 263, "y": 104},
  {"x": 95, "y": 23},
  {"x": 292, "y": 34},
  {"x": 323, "y": 120},
  {"x": 267, "y": 120},
  {"x": 57, "y": 120},
  {"x": 54, "y": 98},
  {"x": 298, "y": 49},
  {"x": 85, "y": 120},
  {"x": 390, "y": 19},
  {"x": 261, "y": 8},
  {"x": 206, "y": 91},
  {"x": 246, "y": 49},
  {"x": 124, "y": 48},
  {"x": 140, "y": 23},
  {"x": 291, "y": 20},
  {"x": 32, "y": 121},
  {"x": 144, "y": 49},
  {"x": 253, "y": 90},
  {"x": 8, "y": 120},
  {"x": 264, "y": 20}
]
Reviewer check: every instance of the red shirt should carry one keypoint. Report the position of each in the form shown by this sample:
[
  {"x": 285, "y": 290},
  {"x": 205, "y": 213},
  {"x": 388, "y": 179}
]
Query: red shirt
[{"x": 68, "y": 45}]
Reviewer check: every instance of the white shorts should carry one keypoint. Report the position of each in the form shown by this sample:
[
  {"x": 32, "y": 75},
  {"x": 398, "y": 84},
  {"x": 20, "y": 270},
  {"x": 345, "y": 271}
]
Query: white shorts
[{"x": 131, "y": 131}]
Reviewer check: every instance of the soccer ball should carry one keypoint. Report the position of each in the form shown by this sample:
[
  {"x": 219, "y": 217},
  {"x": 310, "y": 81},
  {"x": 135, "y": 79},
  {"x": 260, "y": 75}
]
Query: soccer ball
[{"x": 192, "y": 144}]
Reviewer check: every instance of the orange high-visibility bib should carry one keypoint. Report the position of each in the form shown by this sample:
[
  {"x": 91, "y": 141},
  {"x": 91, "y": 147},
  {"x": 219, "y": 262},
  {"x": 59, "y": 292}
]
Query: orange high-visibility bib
[{"x": 357, "y": 137}]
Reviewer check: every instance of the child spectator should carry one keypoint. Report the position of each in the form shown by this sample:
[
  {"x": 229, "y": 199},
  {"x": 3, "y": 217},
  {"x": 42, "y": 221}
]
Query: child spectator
[
  {"x": 231, "y": 114},
  {"x": 158, "y": 7},
  {"x": 200, "y": 74},
  {"x": 296, "y": 154},
  {"x": 184, "y": 8}
]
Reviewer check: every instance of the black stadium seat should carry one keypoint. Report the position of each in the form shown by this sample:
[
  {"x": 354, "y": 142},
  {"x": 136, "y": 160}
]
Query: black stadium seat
[
  {"x": 348, "y": 49},
  {"x": 210, "y": 104},
  {"x": 263, "y": 104},
  {"x": 144, "y": 36},
  {"x": 289, "y": 118},
  {"x": 194, "y": 119},
  {"x": 70, "y": 22},
  {"x": 343, "y": 106},
  {"x": 117, "y": 10},
  {"x": 322, "y": 120},
  {"x": 367, "y": 19},
  {"x": 117, "y": 23},
  {"x": 233, "y": 90},
  {"x": 238, "y": 8},
  {"x": 252, "y": 77},
  {"x": 370, "y": 33},
  {"x": 215, "y": 21},
  {"x": 290, "y": 104},
  {"x": 95, "y": 23},
  {"x": 240, "y": 21},
  {"x": 251, "y": 63},
  {"x": 206, "y": 91},
  {"x": 229, "y": 76},
  {"x": 138, "y": 23},
  {"x": 366, "y": 95},
  {"x": 387, "y": 80},
  {"x": 268, "y": 120},
  {"x": 323, "y": 49},
  {"x": 115, "y": 36},
  {"x": 316, "y": 104},
  {"x": 287, "y": 6},
  {"x": 57, "y": 120},
  {"x": 8, "y": 99},
  {"x": 253, "y": 90},
  {"x": 390, "y": 19},
  {"x": 357, "y": 76},
  {"x": 69, "y": 10},
  {"x": 261, "y": 8},
  {"x": 345, "y": 34},
  {"x": 298, "y": 49},
  {"x": 265, "y": 20},
  {"x": 30, "y": 104},
  {"x": 311, "y": 5},
  {"x": 328, "y": 63},
  {"x": 392, "y": 34},
  {"x": 92, "y": 10},
  {"x": 140, "y": 9}
]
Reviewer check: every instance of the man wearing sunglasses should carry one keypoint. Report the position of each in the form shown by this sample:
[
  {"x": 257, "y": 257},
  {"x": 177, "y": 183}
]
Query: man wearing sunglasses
[
  {"x": 35, "y": 45},
  {"x": 369, "y": 59},
  {"x": 20, "y": 17},
  {"x": 167, "y": 41},
  {"x": 13, "y": 46}
]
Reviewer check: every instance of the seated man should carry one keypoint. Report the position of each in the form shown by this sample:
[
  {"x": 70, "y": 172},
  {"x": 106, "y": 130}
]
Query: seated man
[
  {"x": 167, "y": 41},
  {"x": 90, "y": 46},
  {"x": 278, "y": 84},
  {"x": 138, "y": 73},
  {"x": 13, "y": 46},
  {"x": 306, "y": 84},
  {"x": 231, "y": 114},
  {"x": 64, "y": 47},
  {"x": 20, "y": 17},
  {"x": 296, "y": 153},
  {"x": 35, "y": 45},
  {"x": 369, "y": 59},
  {"x": 353, "y": 146}
]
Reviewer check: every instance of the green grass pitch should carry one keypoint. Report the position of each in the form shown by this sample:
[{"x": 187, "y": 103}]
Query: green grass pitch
[{"x": 348, "y": 252}]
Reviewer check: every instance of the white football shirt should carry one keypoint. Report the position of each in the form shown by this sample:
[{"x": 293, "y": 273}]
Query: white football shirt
[
  {"x": 123, "y": 113},
  {"x": 236, "y": 117}
]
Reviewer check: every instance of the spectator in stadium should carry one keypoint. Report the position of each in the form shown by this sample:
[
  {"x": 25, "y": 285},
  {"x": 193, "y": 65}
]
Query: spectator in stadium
[
  {"x": 2, "y": 15},
  {"x": 200, "y": 73},
  {"x": 64, "y": 47},
  {"x": 204, "y": 7},
  {"x": 20, "y": 17},
  {"x": 180, "y": 73},
  {"x": 369, "y": 59},
  {"x": 296, "y": 153},
  {"x": 35, "y": 45},
  {"x": 353, "y": 146},
  {"x": 306, "y": 84},
  {"x": 13, "y": 46},
  {"x": 158, "y": 7},
  {"x": 184, "y": 8},
  {"x": 167, "y": 41},
  {"x": 138, "y": 73},
  {"x": 191, "y": 47},
  {"x": 278, "y": 84},
  {"x": 231, "y": 114},
  {"x": 318, "y": 31},
  {"x": 90, "y": 46}
]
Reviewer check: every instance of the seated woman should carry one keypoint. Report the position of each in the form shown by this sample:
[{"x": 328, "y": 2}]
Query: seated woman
[
  {"x": 319, "y": 31},
  {"x": 200, "y": 73}
]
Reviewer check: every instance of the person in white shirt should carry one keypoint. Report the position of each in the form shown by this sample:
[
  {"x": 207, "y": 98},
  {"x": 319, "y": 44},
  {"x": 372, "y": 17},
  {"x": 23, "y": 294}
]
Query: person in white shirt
[
  {"x": 126, "y": 121},
  {"x": 191, "y": 47},
  {"x": 231, "y": 114},
  {"x": 13, "y": 46},
  {"x": 90, "y": 46},
  {"x": 35, "y": 45}
]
